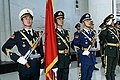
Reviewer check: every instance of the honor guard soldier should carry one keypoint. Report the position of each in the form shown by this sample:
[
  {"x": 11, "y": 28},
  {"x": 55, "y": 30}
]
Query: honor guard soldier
[
  {"x": 117, "y": 26},
  {"x": 63, "y": 40},
  {"x": 82, "y": 44},
  {"x": 78, "y": 26},
  {"x": 24, "y": 40},
  {"x": 111, "y": 39},
  {"x": 102, "y": 45}
]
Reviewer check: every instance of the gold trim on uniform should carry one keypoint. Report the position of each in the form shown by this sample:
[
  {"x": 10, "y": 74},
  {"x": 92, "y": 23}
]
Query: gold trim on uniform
[
  {"x": 105, "y": 71},
  {"x": 84, "y": 48},
  {"x": 30, "y": 42},
  {"x": 115, "y": 35},
  {"x": 76, "y": 48},
  {"x": 8, "y": 52},
  {"x": 68, "y": 35},
  {"x": 63, "y": 40},
  {"x": 113, "y": 44},
  {"x": 63, "y": 51}
]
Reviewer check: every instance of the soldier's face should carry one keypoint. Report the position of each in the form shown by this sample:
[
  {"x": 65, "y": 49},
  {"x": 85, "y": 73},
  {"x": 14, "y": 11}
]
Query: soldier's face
[
  {"x": 78, "y": 27},
  {"x": 60, "y": 21},
  {"x": 87, "y": 23},
  {"x": 27, "y": 21}
]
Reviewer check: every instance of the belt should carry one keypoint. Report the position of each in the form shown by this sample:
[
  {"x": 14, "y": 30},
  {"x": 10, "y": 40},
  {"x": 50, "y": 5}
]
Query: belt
[
  {"x": 29, "y": 59},
  {"x": 62, "y": 52},
  {"x": 84, "y": 48},
  {"x": 113, "y": 44},
  {"x": 34, "y": 57}
]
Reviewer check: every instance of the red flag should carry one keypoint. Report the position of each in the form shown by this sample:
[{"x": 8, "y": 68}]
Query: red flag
[{"x": 51, "y": 54}]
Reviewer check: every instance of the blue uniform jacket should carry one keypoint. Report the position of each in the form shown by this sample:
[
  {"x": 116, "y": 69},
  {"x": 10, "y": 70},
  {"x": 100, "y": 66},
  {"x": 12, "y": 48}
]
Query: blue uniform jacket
[
  {"x": 82, "y": 41},
  {"x": 23, "y": 46}
]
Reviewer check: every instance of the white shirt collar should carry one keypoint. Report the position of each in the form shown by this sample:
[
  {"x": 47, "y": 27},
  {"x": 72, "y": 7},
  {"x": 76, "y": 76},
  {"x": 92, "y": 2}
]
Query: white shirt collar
[
  {"x": 59, "y": 29},
  {"x": 86, "y": 30},
  {"x": 30, "y": 30}
]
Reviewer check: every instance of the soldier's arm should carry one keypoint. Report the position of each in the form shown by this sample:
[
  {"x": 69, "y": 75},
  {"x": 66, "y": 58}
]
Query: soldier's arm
[
  {"x": 7, "y": 48},
  {"x": 102, "y": 36},
  {"x": 75, "y": 45}
]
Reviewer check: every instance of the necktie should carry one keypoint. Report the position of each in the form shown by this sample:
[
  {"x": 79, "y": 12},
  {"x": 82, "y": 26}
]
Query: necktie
[
  {"x": 62, "y": 32},
  {"x": 29, "y": 32},
  {"x": 89, "y": 32}
]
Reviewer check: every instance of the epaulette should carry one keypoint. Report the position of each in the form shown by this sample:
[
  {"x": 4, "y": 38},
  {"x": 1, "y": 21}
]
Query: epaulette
[
  {"x": 94, "y": 32},
  {"x": 38, "y": 33},
  {"x": 17, "y": 31},
  {"x": 68, "y": 31},
  {"x": 21, "y": 30}
]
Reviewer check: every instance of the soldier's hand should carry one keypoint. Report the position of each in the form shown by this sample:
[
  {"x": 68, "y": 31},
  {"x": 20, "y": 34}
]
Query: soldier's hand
[
  {"x": 22, "y": 60},
  {"x": 66, "y": 51},
  {"x": 86, "y": 53}
]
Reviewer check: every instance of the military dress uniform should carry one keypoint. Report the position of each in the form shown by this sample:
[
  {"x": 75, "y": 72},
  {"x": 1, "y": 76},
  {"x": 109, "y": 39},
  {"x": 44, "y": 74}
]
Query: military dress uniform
[
  {"x": 110, "y": 38},
  {"x": 63, "y": 45},
  {"x": 81, "y": 43},
  {"x": 86, "y": 62},
  {"x": 117, "y": 24},
  {"x": 63, "y": 41},
  {"x": 24, "y": 40},
  {"x": 77, "y": 33},
  {"x": 102, "y": 45},
  {"x": 23, "y": 46}
]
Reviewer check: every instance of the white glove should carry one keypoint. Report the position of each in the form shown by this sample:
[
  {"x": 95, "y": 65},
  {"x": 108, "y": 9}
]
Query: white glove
[
  {"x": 22, "y": 60},
  {"x": 86, "y": 53},
  {"x": 41, "y": 71},
  {"x": 55, "y": 71}
]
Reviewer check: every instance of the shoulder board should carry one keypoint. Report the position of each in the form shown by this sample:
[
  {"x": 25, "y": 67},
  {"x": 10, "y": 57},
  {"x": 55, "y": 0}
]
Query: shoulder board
[
  {"x": 17, "y": 31},
  {"x": 94, "y": 32},
  {"x": 21, "y": 30},
  {"x": 68, "y": 31},
  {"x": 38, "y": 33}
]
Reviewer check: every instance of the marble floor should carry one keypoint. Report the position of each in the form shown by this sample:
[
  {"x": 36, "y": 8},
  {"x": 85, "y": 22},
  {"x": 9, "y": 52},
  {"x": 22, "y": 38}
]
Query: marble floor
[{"x": 73, "y": 75}]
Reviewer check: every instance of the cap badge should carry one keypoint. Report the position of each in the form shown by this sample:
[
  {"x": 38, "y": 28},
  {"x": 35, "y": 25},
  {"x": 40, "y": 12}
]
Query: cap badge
[
  {"x": 87, "y": 15},
  {"x": 60, "y": 13},
  {"x": 28, "y": 11}
]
